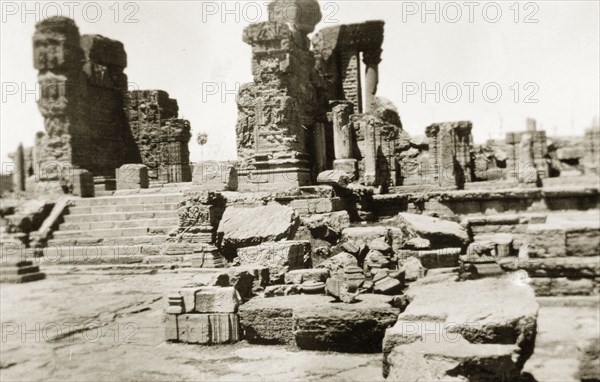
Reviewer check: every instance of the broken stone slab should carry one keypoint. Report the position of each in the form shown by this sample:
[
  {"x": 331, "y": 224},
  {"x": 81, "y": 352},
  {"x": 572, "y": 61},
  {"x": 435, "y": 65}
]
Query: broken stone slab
[
  {"x": 349, "y": 328},
  {"x": 437, "y": 356},
  {"x": 339, "y": 262},
  {"x": 300, "y": 276},
  {"x": 500, "y": 311},
  {"x": 440, "y": 233},
  {"x": 132, "y": 176},
  {"x": 280, "y": 257},
  {"x": 200, "y": 328},
  {"x": 214, "y": 176},
  {"x": 249, "y": 226},
  {"x": 376, "y": 260},
  {"x": 313, "y": 322},
  {"x": 217, "y": 300}
]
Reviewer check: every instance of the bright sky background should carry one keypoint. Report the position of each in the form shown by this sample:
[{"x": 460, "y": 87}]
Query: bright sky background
[{"x": 184, "y": 47}]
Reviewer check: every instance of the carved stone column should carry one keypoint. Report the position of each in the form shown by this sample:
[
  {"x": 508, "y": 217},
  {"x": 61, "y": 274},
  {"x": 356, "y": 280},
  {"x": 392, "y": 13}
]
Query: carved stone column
[{"x": 371, "y": 59}]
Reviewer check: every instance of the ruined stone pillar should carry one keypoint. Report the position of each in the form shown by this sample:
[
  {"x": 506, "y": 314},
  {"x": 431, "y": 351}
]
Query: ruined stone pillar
[
  {"x": 370, "y": 176},
  {"x": 320, "y": 147},
  {"x": 371, "y": 59},
  {"x": 351, "y": 84},
  {"x": 527, "y": 171},
  {"x": 343, "y": 139},
  {"x": 280, "y": 106},
  {"x": 432, "y": 134},
  {"x": 21, "y": 174}
]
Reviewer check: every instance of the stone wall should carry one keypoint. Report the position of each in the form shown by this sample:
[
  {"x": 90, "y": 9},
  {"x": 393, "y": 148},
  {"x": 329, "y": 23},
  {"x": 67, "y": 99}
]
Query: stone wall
[{"x": 161, "y": 138}]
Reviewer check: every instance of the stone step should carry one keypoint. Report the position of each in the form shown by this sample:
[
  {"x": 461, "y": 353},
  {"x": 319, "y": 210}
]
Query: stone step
[
  {"x": 148, "y": 207},
  {"x": 114, "y": 232},
  {"x": 119, "y": 216},
  {"x": 129, "y": 200},
  {"x": 118, "y": 240},
  {"x": 146, "y": 223}
]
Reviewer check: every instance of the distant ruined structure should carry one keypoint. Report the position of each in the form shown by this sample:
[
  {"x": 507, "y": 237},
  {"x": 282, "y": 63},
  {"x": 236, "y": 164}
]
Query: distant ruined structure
[{"x": 310, "y": 116}]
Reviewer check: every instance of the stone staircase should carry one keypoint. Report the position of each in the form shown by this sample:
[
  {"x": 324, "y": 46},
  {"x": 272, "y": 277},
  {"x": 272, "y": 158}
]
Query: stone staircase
[{"x": 122, "y": 229}]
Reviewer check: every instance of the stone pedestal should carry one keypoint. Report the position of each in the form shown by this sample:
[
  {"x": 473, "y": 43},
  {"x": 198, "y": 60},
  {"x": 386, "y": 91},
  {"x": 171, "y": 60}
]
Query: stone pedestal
[
  {"x": 272, "y": 175},
  {"x": 131, "y": 176}
]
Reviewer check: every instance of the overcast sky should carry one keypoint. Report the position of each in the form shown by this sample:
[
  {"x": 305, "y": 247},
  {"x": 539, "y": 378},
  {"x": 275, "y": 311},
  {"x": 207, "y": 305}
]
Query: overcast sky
[{"x": 449, "y": 63}]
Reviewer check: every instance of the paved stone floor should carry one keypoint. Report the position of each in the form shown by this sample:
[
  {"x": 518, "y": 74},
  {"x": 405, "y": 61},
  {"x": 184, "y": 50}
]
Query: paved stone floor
[{"x": 91, "y": 327}]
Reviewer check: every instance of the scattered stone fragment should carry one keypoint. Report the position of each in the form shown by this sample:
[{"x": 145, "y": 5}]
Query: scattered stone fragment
[
  {"x": 338, "y": 262},
  {"x": 282, "y": 290},
  {"x": 417, "y": 243},
  {"x": 300, "y": 276},
  {"x": 413, "y": 269}
]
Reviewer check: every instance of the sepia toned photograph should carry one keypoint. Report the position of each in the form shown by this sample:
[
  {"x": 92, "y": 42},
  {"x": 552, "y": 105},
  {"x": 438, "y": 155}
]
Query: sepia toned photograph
[{"x": 300, "y": 190}]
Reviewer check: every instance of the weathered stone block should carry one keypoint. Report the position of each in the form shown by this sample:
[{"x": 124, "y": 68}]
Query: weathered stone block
[
  {"x": 171, "y": 327},
  {"x": 131, "y": 176},
  {"x": 224, "y": 328},
  {"x": 217, "y": 300},
  {"x": 194, "y": 328},
  {"x": 247, "y": 226}
]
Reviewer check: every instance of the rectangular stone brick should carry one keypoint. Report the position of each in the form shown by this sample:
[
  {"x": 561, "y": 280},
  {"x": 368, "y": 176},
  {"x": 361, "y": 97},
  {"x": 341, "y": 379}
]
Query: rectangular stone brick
[
  {"x": 171, "y": 327},
  {"x": 217, "y": 300},
  {"x": 194, "y": 328}
]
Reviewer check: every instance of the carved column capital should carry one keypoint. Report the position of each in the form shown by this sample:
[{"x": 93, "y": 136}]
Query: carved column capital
[{"x": 372, "y": 56}]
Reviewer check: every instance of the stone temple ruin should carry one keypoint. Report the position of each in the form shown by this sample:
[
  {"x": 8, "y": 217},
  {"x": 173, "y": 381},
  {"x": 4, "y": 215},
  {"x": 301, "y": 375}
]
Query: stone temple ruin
[{"x": 335, "y": 230}]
